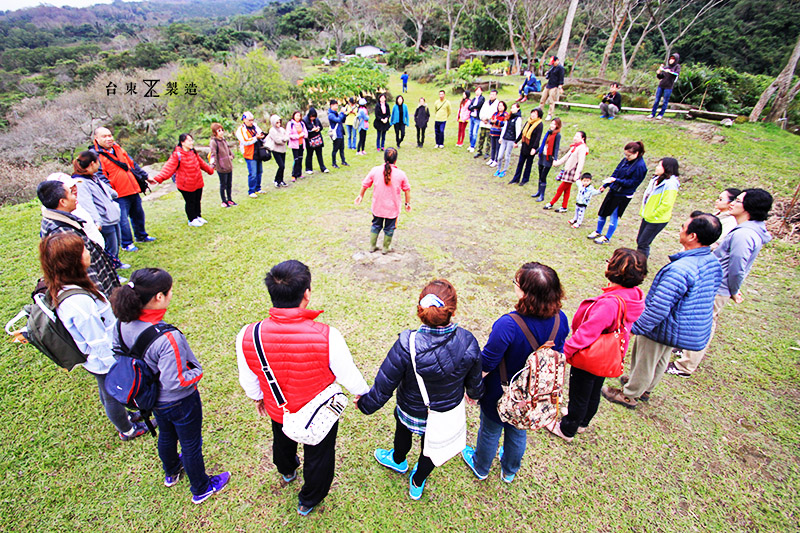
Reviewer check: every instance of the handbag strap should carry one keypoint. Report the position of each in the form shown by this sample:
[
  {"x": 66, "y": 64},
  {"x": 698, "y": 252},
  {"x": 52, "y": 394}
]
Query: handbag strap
[
  {"x": 621, "y": 310},
  {"x": 422, "y": 390},
  {"x": 277, "y": 393},
  {"x": 531, "y": 340}
]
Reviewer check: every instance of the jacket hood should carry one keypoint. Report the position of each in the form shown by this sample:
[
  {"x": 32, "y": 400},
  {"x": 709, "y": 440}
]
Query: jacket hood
[
  {"x": 273, "y": 120},
  {"x": 634, "y": 300},
  {"x": 757, "y": 227},
  {"x": 677, "y": 57}
]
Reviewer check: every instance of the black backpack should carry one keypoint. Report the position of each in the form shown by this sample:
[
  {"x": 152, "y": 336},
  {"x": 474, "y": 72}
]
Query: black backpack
[
  {"x": 261, "y": 152},
  {"x": 130, "y": 380}
]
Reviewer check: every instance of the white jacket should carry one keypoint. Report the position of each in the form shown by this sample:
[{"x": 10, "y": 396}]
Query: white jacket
[{"x": 488, "y": 109}]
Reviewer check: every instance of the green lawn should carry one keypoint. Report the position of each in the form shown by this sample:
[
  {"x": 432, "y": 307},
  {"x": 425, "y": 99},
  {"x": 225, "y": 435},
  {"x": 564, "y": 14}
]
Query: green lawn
[{"x": 717, "y": 452}]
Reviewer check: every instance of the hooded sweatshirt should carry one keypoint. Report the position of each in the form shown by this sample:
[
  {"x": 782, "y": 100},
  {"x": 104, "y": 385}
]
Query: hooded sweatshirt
[
  {"x": 597, "y": 315},
  {"x": 277, "y": 136},
  {"x": 670, "y": 73},
  {"x": 738, "y": 252}
]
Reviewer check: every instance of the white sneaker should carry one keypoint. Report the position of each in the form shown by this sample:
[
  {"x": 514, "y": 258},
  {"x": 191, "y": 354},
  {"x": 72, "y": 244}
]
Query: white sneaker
[
  {"x": 202, "y": 220},
  {"x": 593, "y": 235},
  {"x": 493, "y": 164},
  {"x": 326, "y": 171},
  {"x": 253, "y": 195},
  {"x": 195, "y": 223},
  {"x": 470, "y": 149},
  {"x": 309, "y": 172}
]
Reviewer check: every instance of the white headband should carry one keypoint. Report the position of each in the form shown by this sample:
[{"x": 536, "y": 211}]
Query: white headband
[{"x": 431, "y": 300}]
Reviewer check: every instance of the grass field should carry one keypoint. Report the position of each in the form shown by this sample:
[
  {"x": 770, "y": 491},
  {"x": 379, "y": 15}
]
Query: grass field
[{"x": 718, "y": 452}]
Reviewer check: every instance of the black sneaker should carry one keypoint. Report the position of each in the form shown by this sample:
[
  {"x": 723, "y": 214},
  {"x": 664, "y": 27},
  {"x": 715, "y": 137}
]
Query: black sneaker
[
  {"x": 139, "y": 429},
  {"x": 477, "y": 155}
]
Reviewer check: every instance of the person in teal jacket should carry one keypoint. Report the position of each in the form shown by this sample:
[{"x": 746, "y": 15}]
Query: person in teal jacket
[
  {"x": 399, "y": 119},
  {"x": 659, "y": 198}
]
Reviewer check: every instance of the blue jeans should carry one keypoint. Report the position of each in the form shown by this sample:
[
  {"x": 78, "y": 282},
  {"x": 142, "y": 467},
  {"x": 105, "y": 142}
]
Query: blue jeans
[
  {"x": 254, "y": 171},
  {"x": 612, "y": 224},
  {"x": 474, "y": 127},
  {"x": 665, "y": 93},
  {"x": 380, "y": 140},
  {"x": 438, "y": 129},
  {"x": 111, "y": 234},
  {"x": 351, "y": 137},
  {"x": 385, "y": 224},
  {"x": 514, "y": 442},
  {"x": 182, "y": 421},
  {"x": 131, "y": 207}
]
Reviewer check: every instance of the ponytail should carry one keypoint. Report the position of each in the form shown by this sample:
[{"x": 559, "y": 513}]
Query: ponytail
[
  {"x": 390, "y": 158},
  {"x": 635, "y": 146},
  {"x": 128, "y": 301}
]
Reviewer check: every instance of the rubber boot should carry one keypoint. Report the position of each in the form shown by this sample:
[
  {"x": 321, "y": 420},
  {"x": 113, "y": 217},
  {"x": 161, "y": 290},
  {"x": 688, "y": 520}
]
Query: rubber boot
[
  {"x": 373, "y": 241},
  {"x": 540, "y": 195},
  {"x": 387, "y": 243}
]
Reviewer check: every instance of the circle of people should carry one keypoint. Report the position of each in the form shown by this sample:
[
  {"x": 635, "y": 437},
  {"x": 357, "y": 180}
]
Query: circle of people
[{"x": 85, "y": 220}]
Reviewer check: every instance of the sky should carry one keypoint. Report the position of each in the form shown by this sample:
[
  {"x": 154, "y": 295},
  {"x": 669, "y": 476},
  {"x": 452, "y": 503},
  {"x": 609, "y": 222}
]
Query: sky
[{"x": 11, "y": 5}]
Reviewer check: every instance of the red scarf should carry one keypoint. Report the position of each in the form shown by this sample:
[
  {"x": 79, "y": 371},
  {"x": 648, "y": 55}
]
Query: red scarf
[
  {"x": 154, "y": 316},
  {"x": 550, "y": 143},
  {"x": 575, "y": 145}
]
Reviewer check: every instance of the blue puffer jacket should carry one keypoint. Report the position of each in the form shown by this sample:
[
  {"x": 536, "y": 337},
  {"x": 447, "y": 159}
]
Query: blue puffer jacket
[
  {"x": 629, "y": 174},
  {"x": 448, "y": 364},
  {"x": 679, "y": 305}
]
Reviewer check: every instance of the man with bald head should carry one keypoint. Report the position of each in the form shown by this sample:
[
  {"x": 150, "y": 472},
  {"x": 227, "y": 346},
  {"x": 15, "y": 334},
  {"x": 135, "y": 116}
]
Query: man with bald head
[{"x": 121, "y": 171}]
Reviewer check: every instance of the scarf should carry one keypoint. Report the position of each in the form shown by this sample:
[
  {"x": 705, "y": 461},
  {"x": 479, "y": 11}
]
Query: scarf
[
  {"x": 573, "y": 146},
  {"x": 153, "y": 316},
  {"x": 549, "y": 143},
  {"x": 528, "y": 129}
]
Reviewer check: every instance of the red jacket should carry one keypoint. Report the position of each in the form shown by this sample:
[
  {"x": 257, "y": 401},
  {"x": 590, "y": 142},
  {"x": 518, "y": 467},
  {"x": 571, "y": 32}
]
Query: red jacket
[
  {"x": 597, "y": 315},
  {"x": 296, "y": 348},
  {"x": 186, "y": 166},
  {"x": 123, "y": 181}
]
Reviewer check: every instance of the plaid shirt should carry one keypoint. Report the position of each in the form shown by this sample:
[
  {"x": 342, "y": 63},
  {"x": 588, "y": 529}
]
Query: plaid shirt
[
  {"x": 413, "y": 424},
  {"x": 444, "y": 330}
]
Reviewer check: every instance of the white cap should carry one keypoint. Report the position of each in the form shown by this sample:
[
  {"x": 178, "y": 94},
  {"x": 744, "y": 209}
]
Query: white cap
[
  {"x": 68, "y": 181},
  {"x": 247, "y": 115}
]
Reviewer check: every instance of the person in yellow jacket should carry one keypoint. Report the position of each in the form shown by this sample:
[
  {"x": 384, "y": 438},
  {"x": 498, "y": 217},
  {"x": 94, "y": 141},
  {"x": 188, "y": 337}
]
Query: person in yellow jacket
[
  {"x": 659, "y": 199},
  {"x": 441, "y": 112},
  {"x": 350, "y": 111}
]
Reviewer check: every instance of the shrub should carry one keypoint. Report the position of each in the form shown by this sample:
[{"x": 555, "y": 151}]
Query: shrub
[
  {"x": 359, "y": 76},
  {"x": 289, "y": 47},
  {"x": 399, "y": 56},
  {"x": 471, "y": 69},
  {"x": 700, "y": 84},
  {"x": 426, "y": 70}
]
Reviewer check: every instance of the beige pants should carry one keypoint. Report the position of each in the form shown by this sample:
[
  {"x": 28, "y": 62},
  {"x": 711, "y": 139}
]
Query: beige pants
[
  {"x": 550, "y": 96},
  {"x": 691, "y": 360},
  {"x": 649, "y": 360}
]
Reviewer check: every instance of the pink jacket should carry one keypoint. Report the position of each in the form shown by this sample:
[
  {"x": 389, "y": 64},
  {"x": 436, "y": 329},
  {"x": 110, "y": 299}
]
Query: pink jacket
[
  {"x": 297, "y": 133},
  {"x": 596, "y": 315}
]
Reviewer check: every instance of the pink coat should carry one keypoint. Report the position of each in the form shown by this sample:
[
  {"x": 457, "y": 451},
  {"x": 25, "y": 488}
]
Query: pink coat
[
  {"x": 596, "y": 315},
  {"x": 386, "y": 198},
  {"x": 297, "y": 133}
]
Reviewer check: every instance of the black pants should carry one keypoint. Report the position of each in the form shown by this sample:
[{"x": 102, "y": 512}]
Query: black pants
[
  {"x": 319, "y": 463},
  {"x": 584, "y": 398},
  {"x": 494, "y": 143},
  {"x": 225, "y": 185},
  {"x": 192, "y": 200},
  {"x": 362, "y": 141},
  {"x": 647, "y": 234},
  {"x": 399, "y": 133},
  {"x": 297, "y": 166},
  {"x": 543, "y": 171},
  {"x": 420, "y": 136},
  {"x": 310, "y": 154},
  {"x": 338, "y": 146},
  {"x": 380, "y": 141},
  {"x": 402, "y": 445},
  {"x": 280, "y": 160},
  {"x": 523, "y": 172}
]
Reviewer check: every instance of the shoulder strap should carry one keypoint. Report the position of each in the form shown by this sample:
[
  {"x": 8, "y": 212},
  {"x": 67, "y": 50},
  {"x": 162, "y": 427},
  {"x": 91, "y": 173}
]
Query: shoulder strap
[
  {"x": 412, "y": 345},
  {"x": 143, "y": 340},
  {"x": 71, "y": 292},
  {"x": 528, "y": 335},
  {"x": 107, "y": 155},
  {"x": 277, "y": 393},
  {"x": 556, "y": 324},
  {"x": 63, "y": 220}
]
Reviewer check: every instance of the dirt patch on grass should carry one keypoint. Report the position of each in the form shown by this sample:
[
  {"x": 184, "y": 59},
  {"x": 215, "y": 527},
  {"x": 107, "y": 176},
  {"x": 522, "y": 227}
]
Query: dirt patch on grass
[
  {"x": 398, "y": 265},
  {"x": 705, "y": 132}
]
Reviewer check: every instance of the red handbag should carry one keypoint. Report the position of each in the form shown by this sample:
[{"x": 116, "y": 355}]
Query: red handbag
[{"x": 604, "y": 357}]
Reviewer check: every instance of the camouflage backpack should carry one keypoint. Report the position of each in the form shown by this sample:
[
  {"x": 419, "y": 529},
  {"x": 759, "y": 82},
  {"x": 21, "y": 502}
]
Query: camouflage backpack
[{"x": 532, "y": 398}]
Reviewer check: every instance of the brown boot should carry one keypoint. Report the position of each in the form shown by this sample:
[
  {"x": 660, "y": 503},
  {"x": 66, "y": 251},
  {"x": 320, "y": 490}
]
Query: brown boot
[{"x": 614, "y": 395}]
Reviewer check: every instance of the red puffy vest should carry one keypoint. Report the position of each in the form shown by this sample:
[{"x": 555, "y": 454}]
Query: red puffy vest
[{"x": 297, "y": 351}]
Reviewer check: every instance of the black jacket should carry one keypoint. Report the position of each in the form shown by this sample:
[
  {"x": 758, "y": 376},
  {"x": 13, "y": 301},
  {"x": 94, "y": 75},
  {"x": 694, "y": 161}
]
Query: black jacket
[
  {"x": 448, "y": 365},
  {"x": 668, "y": 78},
  {"x": 555, "y": 76},
  {"x": 381, "y": 126},
  {"x": 475, "y": 106},
  {"x": 615, "y": 99},
  {"x": 312, "y": 124},
  {"x": 421, "y": 117}
]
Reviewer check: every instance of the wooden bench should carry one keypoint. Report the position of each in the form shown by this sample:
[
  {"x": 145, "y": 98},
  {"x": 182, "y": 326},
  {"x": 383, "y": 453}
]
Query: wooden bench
[{"x": 690, "y": 113}]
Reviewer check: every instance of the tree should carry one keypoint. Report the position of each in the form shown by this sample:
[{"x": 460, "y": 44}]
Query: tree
[
  {"x": 567, "y": 31},
  {"x": 419, "y": 12},
  {"x": 617, "y": 10},
  {"x": 664, "y": 11},
  {"x": 334, "y": 15},
  {"x": 781, "y": 86},
  {"x": 297, "y": 22},
  {"x": 635, "y": 13},
  {"x": 453, "y": 12},
  {"x": 508, "y": 24},
  {"x": 590, "y": 15}
]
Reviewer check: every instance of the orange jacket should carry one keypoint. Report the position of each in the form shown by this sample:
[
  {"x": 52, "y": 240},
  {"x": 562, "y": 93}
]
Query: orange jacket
[
  {"x": 186, "y": 166},
  {"x": 123, "y": 181}
]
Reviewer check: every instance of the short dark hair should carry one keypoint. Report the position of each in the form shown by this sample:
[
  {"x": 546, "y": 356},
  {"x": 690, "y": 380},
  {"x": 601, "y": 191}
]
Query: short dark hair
[
  {"x": 627, "y": 267},
  {"x": 732, "y": 193},
  {"x": 586, "y": 176},
  {"x": 50, "y": 192},
  {"x": 614, "y": 84},
  {"x": 542, "y": 288},
  {"x": 706, "y": 226},
  {"x": 757, "y": 203},
  {"x": 287, "y": 283},
  {"x": 334, "y": 101}
]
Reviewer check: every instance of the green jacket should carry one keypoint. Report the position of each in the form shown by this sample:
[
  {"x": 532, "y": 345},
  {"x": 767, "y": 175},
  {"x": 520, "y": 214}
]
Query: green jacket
[{"x": 659, "y": 200}]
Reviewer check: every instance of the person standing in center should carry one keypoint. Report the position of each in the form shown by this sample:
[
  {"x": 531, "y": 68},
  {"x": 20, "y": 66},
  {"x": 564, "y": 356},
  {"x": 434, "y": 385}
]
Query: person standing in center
[
  {"x": 548, "y": 153},
  {"x": 362, "y": 125},
  {"x": 400, "y": 119},
  {"x": 351, "y": 110},
  {"x": 474, "y": 108},
  {"x": 314, "y": 141},
  {"x": 512, "y": 130},
  {"x": 336, "y": 120},
  {"x": 297, "y": 136},
  {"x": 248, "y": 134},
  {"x": 305, "y": 357},
  {"x": 221, "y": 158},
  {"x": 441, "y": 112},
  {"x": 185, "y": 165},
  {"x": 463, "y": 118},
  {"x": 389, "y": 181},
  {"x": 667, "y": 75},
  {"x": 496, "y": 124},
  {"x": 488, "y": 109},
  {"x": 421, "y": 117},
  {"x": 529, "y": 144},
  {"x": 382, "y": 117}
]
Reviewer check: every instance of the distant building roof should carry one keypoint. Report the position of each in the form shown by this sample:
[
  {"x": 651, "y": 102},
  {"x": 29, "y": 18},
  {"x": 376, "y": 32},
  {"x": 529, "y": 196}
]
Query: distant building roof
[
  {"x": 492, "y": 53},
  {"x": 368, "y": 51}
]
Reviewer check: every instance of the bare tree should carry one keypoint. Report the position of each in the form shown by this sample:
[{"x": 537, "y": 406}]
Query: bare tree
[
  {"x": 419, "y": 12},
  {"x": 665, "y": 10},
  {"x": 567, "y": 31},
  {"x": 453, "y": 11},
  {"x": 536, "y": 23},
  {"x": 616, "y": 13},
  {"x": 592, "y": 12},
  {"x": 783, "y": 86},
  {"x": 335, "y": 17},
  {"x": 637, "y": 12},
  {"x": 507, "y": 22}
]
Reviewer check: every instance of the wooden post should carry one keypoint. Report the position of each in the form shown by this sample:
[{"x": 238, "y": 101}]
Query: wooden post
[{"x": 791, "y": 205}]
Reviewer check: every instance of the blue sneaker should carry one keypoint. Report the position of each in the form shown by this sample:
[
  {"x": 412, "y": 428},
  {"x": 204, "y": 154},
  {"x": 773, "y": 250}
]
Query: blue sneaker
[
  {"x": 289, "y": 478},
  {"x": 215, "y": 484},
  {"x": 468, "y": 454},
  {"x": 386, "y": 458},
  {"x": 131, "y": 248},
  {"x": 508, "y": 478},
  {"x": 414, "y": 491},
  {"x": 501, "y": 174},
  {"x": 611, "y": 118},
  {"x": 171, "y": 481},
  {"x": 302, "y": 510},
  {"x": 146, "y": 239}
]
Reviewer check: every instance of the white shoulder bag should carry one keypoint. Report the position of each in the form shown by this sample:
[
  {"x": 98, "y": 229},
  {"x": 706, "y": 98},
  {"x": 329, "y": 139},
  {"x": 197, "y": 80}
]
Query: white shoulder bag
[{"x": 445, "y": 432}]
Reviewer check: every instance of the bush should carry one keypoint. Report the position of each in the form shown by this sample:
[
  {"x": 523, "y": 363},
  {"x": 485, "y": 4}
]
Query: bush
[
  {"x": 359, "y": 76},
  {"x": 399, "y": 56},
  {"x": 426, "y": 70},
  {"x": 700, "y": 84},
  {"x": 471, "y": 69},
  {"x": 288, "y": 48}
]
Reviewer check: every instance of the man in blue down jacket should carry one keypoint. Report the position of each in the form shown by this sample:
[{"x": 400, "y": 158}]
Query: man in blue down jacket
[
  {"x": 736, "y": 254},
  {"x": 678, "y": 310}
]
